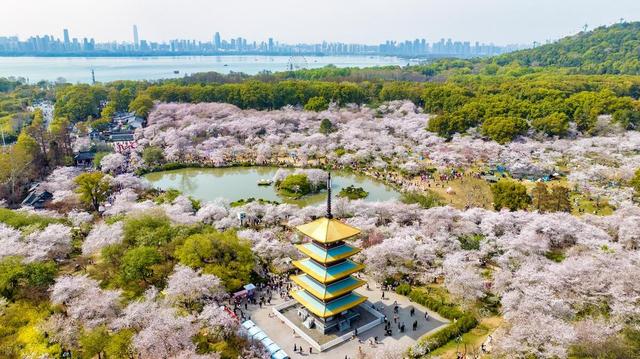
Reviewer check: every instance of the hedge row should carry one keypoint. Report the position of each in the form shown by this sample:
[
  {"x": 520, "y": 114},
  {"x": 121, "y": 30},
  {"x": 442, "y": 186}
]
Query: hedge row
[
  {"x": 450, "y": 332},
  {"x": 461, "y": 322},
  {"x": 447, "y": 310}
]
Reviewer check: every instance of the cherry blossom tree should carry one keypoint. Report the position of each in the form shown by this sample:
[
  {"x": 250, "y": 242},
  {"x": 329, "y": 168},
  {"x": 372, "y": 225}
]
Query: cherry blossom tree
[
  {"x": 166, "y": 335},
  {"x": 187, "y": 287},
  {"x": 85, "y": 301},
  {"x": 102, "y": 235},
  {"x": 218, "y": 321},
  {"x": 113, "y": 163},
  {"x": 53, "y": 242}
]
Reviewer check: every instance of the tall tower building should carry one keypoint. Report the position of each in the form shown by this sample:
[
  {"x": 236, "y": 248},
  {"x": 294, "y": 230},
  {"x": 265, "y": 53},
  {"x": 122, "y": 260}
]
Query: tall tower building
[
  {"x": 67, "y": 41},
  {"x": 136, "y": 40},
  {"x": 216, "y": 41},
  {"x": 326, "y": 284}
]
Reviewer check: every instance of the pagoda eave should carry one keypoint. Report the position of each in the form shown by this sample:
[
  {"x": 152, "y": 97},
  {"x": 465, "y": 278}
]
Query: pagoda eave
[
  {"x": 326, "y": 256},
  {"x": 332, "y": 291},
  {"x": 330, "y": 309},
  {"x": 324, "y": 275}
]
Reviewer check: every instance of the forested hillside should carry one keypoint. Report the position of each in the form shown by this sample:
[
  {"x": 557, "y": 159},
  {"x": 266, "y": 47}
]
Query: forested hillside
[{"x": 606, "y": 50}]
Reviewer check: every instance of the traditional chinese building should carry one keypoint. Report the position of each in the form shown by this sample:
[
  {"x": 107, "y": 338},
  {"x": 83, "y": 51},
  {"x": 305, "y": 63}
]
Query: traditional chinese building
[{"x": 326, "y": 283}]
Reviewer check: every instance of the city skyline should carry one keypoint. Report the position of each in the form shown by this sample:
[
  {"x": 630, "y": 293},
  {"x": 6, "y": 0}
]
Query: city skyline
[
  {"x": 70, "y": 44},
  {"x": 500, "y": 22}
]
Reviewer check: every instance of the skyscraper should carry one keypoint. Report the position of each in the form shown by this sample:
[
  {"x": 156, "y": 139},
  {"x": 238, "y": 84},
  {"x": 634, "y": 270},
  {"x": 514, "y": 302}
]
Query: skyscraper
[
  {"x": 216, "y": 41},
  {"x": 66, "y": 38},
  {"x": 136, "y": 41}
]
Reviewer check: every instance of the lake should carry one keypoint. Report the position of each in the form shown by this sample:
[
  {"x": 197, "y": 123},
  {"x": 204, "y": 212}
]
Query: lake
[
  {"x": 78, "y": 69},
  {"x": 235, "y": 183}
]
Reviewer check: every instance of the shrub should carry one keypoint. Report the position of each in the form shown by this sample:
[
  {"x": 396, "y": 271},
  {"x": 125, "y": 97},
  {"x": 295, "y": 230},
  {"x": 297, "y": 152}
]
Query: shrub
[
  {"x": 438, "y": 305},
  {"x": 462, "y": 322},
  {"x": 470, "y": 242},
  {"x": 403, "y": 289},
  {"x": 425, "y": 200},
  {"x": 18, "y": 219},
  {"x": 452, "y": 331}
]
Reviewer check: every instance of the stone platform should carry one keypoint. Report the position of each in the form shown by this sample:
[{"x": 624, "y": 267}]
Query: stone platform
[
  {"x": 367, "y": 319},
  {"x": 285, "y": 337}
]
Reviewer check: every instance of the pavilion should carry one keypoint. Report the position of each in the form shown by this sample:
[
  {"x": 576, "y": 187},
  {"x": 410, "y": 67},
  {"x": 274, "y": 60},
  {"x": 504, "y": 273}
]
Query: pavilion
[{"x": 326, "y": 283}]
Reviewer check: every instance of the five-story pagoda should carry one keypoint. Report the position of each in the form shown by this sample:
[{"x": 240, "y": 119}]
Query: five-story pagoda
[{"x": 327, "y": 283}]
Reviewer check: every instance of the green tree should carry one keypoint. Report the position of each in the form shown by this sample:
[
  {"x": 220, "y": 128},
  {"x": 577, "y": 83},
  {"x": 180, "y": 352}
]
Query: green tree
[
  {"x": 635, "y": 182},
  {"x": 222, "y": 254},
  {"x": 17, "y": 167},
  {"x": 540, "y": 197},
  {"x": 93, "y": 342},
  {"x": 504, "y": 129},
  {"x": 510, "y": 194},
  {"x": 316, "y": 103},
  {"x": 39, "y": 132},
  {"x": 108, "y": 111},
  {"x": 326, "y": 127},
  {"x": 78, "y": 102},
  {"x": 153, "y": 155},
  {"x": 147, "y": 229},
  {"x": 17, "y": 277},
  {"x": 137, "y": 263},
  {"x": 119, "y": 345},
  {"x": 560, "y": 199},
  {"x": 446, "y": 125},
  {"x": 141, "y": 105},
  {"x": 556, "y": 124},
  {"x": 93, "y": 188},
  {"x": 60, "y": 147},
  {"x": 295, "y": 185}
]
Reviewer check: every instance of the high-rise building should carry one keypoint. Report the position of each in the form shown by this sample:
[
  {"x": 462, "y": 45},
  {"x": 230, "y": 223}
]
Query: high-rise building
[
  {"x": 136, "y": 40},
  {"x": 216, "y": 41},
  {"x": 67, "y": 42}
]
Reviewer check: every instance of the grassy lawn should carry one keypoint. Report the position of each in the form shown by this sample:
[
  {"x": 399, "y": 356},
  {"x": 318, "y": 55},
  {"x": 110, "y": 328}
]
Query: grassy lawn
[
  {"x": 591, "y": 206},
  {"x": 466, "y": 191},
  {"x": 471, "y": 340}
]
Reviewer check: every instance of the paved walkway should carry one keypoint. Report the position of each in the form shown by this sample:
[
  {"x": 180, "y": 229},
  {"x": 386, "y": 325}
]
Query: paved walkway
[{"x": 283, "y": 335}]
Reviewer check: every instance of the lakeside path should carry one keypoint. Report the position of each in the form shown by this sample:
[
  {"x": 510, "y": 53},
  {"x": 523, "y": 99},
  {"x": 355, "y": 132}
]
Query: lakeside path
[{"x": 282, "y": 334}]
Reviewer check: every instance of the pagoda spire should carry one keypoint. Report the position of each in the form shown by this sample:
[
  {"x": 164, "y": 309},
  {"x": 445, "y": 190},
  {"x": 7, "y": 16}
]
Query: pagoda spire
[{"x": 329, "y": 215}]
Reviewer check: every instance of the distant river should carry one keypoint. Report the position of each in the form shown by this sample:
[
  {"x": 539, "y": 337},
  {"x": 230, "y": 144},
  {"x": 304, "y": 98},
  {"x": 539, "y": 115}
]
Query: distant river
[{"x": 78, "y": 69}]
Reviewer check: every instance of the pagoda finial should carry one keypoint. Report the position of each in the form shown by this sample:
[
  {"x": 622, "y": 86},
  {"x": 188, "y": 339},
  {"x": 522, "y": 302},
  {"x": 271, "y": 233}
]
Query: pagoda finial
[{"x": 329, "y": 215}]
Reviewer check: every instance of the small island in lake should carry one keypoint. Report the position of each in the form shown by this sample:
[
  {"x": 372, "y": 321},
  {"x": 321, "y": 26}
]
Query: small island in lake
[
  {"x": 300, "y": 183},
  {"x": 353, "y": 192}
]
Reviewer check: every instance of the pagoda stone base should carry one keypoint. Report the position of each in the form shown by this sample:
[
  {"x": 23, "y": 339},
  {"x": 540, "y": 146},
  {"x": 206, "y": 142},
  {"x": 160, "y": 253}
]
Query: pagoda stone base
[
  {"x": 324, "y": 334},
  {"x": 337, "y": 323}
]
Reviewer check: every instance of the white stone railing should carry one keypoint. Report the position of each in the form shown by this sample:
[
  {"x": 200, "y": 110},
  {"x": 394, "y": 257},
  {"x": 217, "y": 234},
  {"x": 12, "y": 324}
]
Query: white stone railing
[
  {"x": 276, "y": 311},
  {"x": 367, "y": 306},
  {"x": 341, "y": 339}
]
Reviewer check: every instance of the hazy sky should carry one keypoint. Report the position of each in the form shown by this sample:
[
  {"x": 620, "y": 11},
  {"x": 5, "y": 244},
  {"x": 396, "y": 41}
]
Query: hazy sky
[{"x": 363, "y": 21}]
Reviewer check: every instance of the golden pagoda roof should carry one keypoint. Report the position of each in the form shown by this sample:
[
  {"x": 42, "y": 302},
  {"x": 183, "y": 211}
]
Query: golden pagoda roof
[{"x": 327, "y": 230}]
